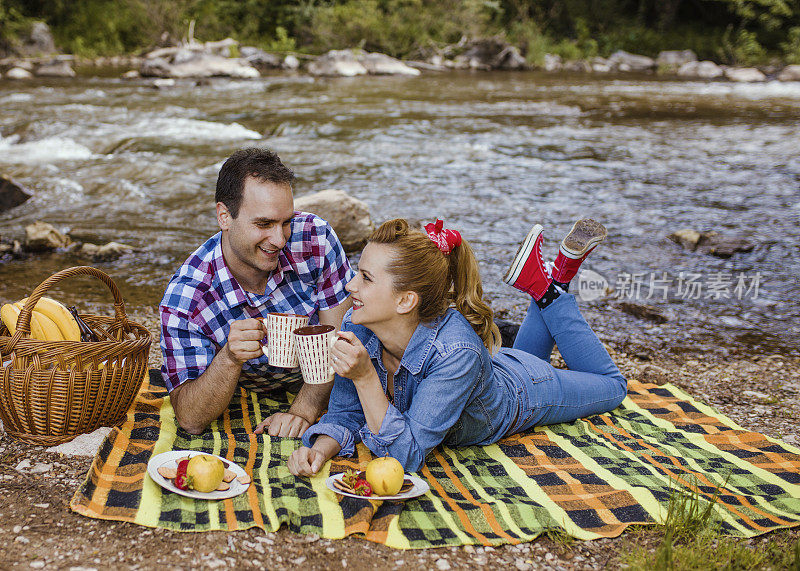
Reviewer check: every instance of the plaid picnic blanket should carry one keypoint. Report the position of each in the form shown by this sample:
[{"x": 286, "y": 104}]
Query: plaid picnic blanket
[{"x": 591, "y": 478}]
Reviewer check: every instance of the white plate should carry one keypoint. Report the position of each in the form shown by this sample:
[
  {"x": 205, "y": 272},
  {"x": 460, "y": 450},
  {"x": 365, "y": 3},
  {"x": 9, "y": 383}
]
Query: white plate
[
  {"x": 170, "y": 460},
  {"x": 420, "y": 487}
]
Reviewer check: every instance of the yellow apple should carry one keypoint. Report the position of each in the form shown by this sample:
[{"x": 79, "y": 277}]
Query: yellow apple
[
  {"x": 385, "y": 476},
  {"x": 205, "y": 472}
]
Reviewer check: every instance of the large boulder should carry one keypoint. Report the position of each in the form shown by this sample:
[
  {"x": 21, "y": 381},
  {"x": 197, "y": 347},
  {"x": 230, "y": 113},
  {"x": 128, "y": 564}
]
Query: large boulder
[
  {"x": 700, "y": 70},
  {"x": 348, "y": 216},
  {"x": 790, "y": 73},
  {"x": 41, "y": 236},
  {"x": 191, "y": 63},
  {"x": 624, "y": 61},
  {"x": 671, "y": 59},
  {"x": 55, "y": 68},
  {"x": 381, "y": 64},
  {"x": 197, "y": 60},
  {"x": 744, "y": 74},
  {"x": 12, "y": 193},
  {"x": 337, "y": 63},
  {"x": 18, "y": 73}
]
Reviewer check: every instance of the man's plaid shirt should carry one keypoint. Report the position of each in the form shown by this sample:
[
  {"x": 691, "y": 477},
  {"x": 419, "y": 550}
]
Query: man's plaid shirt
[{"x": 203, "y": 298}]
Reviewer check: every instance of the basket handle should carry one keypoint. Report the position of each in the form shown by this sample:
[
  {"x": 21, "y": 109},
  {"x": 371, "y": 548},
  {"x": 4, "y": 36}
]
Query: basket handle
[{"x": 24, "y": 319}]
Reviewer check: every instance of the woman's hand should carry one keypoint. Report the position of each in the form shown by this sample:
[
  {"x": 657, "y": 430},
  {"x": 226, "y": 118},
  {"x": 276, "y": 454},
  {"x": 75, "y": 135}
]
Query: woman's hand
[
  {"x": 350, "y": 358},
  {"x": 305, "y": 461}
]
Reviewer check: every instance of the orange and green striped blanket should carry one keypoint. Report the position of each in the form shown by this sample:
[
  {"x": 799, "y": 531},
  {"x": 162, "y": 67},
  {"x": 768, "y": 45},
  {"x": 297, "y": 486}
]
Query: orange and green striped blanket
[{"x": 591, "y": 478}]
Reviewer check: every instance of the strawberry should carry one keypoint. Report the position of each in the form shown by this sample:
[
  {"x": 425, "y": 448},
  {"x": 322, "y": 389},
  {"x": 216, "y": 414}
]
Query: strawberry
[
  {"x": 362, "y": 488},
  {"x": 182, "y": 481}
]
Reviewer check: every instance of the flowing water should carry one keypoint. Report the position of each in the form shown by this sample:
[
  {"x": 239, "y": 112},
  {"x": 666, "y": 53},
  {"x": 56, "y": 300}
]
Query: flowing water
[{"x": 491, "y": 153}]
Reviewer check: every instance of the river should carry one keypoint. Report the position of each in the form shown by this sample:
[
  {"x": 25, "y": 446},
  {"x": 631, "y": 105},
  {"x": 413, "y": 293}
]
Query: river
[{"x": 491, "y": 153}]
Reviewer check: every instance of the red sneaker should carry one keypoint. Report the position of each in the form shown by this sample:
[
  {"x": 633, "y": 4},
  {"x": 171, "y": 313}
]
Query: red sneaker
[
  {"x": 528, "y": 272},
  {"x": 585, "y": 235}
]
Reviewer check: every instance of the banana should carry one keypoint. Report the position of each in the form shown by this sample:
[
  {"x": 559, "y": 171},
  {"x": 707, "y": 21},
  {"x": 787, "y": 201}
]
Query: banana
[
  {"x": 37, "y": 331},
  {"x": 51, "y": 330},
  {"x": 9, "y": 314},
  {"x": 60, "y": 315}
]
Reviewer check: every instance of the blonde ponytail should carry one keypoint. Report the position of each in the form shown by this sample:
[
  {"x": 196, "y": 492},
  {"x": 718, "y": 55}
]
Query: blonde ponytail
[
  {"x": 440, "y": 280},
  {"x": 467, "y": 295}
]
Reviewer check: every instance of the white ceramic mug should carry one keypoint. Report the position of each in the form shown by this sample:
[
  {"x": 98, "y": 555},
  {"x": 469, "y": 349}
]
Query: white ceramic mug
[
  {"x": 314, "y": 344},
  {"x": 281, "y": 350}
]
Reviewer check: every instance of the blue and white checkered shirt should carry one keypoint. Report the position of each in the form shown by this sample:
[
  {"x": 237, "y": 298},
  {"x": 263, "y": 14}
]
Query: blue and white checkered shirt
[{"x": 203, "y": 298}]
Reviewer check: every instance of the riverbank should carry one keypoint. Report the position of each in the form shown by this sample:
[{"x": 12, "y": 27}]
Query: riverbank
[
  {"x": 227, "y": 58},
  {"x": 761, "y": 395}
]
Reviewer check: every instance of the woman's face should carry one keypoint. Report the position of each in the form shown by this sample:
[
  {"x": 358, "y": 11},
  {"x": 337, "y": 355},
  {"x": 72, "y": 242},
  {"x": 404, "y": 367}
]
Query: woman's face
[{"x": 372, "y": 289}]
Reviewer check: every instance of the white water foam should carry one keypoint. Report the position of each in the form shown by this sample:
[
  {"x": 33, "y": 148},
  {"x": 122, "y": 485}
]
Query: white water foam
[
  {"x": 760, "y": 90},
  {"x": 48, "y": 150},
  {"x": 183, "y": 129},
  {"x": 14, "y": 97}
]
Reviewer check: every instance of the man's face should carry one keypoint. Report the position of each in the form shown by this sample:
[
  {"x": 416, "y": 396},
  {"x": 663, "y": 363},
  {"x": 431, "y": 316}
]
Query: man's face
[{"x": 256, "y": 236}]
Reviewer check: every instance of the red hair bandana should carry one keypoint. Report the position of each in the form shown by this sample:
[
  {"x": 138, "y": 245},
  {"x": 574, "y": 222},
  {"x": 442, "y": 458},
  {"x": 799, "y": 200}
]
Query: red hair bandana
[{"x": 444, "y": 239}]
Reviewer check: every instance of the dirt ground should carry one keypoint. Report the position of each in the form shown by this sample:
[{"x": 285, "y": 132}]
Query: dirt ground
[{"x": 761, "y": 393}]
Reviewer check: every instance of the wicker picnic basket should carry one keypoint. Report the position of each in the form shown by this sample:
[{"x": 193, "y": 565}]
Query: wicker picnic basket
[{"x": 51, "y": 391}]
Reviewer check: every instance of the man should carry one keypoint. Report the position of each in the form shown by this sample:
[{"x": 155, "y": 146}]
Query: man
[{"x": 266, "y": 258}]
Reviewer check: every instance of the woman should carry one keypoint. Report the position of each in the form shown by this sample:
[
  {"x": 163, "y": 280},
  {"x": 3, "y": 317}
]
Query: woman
[{"x": 413, "y": 358}]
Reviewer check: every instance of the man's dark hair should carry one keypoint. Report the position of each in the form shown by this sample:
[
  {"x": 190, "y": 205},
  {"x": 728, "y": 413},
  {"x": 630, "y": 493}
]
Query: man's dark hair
[{"x": 261, "y": 164}]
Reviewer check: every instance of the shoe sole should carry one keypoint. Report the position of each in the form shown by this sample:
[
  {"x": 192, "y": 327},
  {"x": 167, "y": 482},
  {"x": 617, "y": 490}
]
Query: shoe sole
[
  {"x": 522, "y": 255},
  {"x": 585, "y": 235}
]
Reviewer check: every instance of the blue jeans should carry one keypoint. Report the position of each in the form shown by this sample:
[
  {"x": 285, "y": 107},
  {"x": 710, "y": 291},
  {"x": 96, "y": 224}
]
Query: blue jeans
[{"x": 593, "y": 383}]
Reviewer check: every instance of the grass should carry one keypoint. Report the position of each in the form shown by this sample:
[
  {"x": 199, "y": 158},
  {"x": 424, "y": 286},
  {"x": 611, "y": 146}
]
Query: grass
[
  {"x": 560, "y": 537},
  {"x": 692, "y": 540}
]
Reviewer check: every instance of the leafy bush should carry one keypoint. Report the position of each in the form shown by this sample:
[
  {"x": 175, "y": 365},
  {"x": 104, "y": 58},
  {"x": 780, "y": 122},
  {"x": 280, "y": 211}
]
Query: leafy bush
[
  {"x": 281, "y": 42},
  {"x": 396, "y": 27},
  {"x": 738, "y": 31},
  {"x": 741, "y": 47},
  {"x": 12, "y": 25},
  {"x": 791, "y": 47}
]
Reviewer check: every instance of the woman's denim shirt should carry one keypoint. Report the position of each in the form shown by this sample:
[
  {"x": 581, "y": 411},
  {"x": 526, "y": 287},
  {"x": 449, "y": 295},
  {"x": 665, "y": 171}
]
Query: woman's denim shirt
[{"x": 445, "y": 390}]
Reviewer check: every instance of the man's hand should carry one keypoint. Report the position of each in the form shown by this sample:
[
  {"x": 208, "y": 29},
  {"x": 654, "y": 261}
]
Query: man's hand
[
  {"x": 283, "y": 424},
  {"x": 305, "y": 461},
  {"x": 244, "y": 340}
]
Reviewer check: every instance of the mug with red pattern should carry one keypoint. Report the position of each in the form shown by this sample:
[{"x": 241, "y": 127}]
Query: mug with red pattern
[
  {"x": 314, "y": 344},
  {"x": 281, "y": 348}
]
